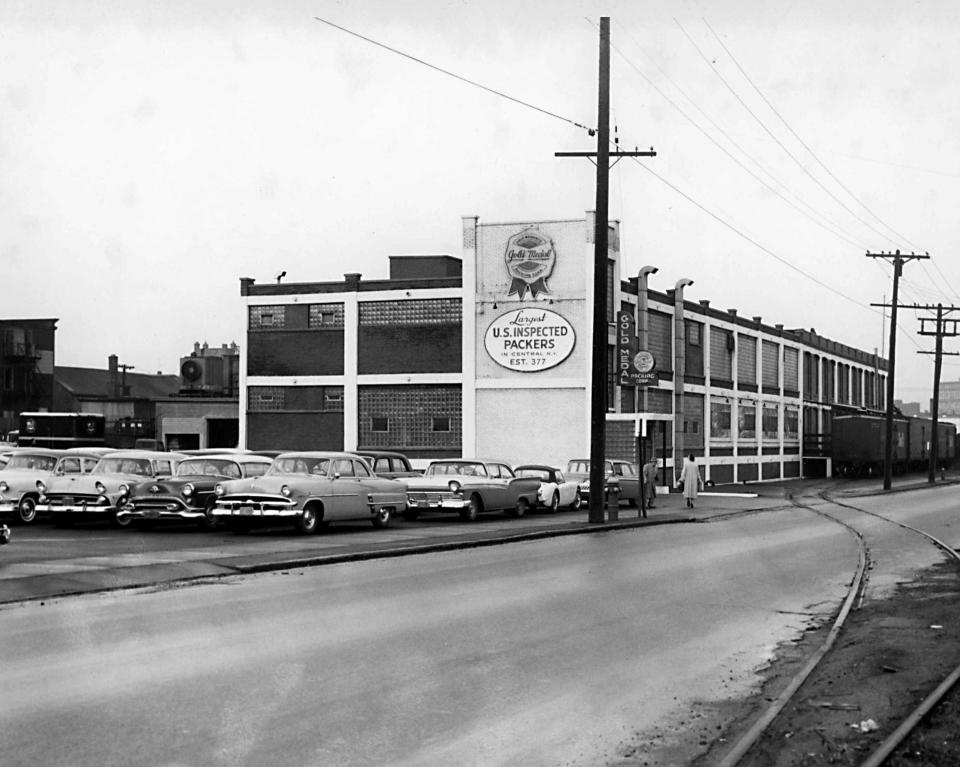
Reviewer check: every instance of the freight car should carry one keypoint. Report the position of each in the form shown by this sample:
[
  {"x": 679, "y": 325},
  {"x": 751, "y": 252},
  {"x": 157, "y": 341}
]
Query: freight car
[{"x": 858, "y": 444}]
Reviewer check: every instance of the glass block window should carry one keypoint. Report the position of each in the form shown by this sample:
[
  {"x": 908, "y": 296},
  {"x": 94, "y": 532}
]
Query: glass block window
[
  {"x": 747, "y": 419},
  {"x": 791, "y": 369},
  {"x": 416, "y": 415},
  {"x": 295, "y": 399},
  {"x": 771, "y": 422},
  {"x": 720, "y": 419},
  {"x": 791, "y": 423},
  {"x": 660, "y": 339},
  {"x": 746, "y": 359},
  {"x": 333, "y": 399},
  {"x": 325, "y": 316},
  {"x": 771, "y": 363},
  {"x": 262, "y": 399},
  {"x": 265, "y": 317},
  {"x": 415, "y": 313}
]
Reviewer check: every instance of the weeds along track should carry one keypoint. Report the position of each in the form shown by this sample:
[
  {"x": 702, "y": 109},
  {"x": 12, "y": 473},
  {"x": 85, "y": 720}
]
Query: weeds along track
[{"x": 783, "y": 716}]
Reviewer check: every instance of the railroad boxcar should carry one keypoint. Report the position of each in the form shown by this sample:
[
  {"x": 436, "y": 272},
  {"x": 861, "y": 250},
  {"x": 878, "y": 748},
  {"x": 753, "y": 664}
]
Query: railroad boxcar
[{"x": 858, "y": 444}]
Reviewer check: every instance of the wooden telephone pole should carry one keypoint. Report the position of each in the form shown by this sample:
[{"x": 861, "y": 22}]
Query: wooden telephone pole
[
  {"x": 598, "y": 379},
  {"x": 940, "y": 332},
  {"x": 897, "y": 260}
]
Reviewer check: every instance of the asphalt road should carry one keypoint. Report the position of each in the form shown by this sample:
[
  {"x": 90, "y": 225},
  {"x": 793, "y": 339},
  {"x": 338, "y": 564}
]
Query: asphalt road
[{"x": 559, "y": 651}]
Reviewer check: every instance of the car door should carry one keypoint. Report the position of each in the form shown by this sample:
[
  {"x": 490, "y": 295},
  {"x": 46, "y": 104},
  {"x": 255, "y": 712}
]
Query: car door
[
  {"x": 345, "y": 488},
  {"x": 629, "y": 480}
]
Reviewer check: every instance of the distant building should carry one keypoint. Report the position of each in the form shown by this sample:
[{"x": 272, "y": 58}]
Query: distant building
[
  {"x": 949, "y": 403},
  {"x": 125, "y": 398},
  {"x": 907, "y": 408},
  {"x": 211, "y": 371},
  {"x": 26, "y": 368}
]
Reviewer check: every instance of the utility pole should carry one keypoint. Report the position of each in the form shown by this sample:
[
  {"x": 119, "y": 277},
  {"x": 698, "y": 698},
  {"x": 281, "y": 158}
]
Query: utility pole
[
  {"x": 940, "y": 332},
  {"x": 598, "y": 378},
  {"x": 898, "y": 261}
]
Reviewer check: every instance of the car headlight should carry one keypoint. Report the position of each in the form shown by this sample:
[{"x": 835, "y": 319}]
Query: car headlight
[
  {"x": 101, "y": 488},
  {"x": 4, "y": 486},
  {"x": 454, "y": 486},
  {"x": 219, "y": 489},
  {"x": 124, "y": 488},
  {"x": 285, "y": 491},
  {"x": 187, "y": 490}
]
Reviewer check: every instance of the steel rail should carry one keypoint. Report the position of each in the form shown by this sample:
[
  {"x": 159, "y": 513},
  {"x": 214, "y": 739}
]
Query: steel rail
[
  {"x": 756, "y": 730},
  {"x": 909, "y": 723}
]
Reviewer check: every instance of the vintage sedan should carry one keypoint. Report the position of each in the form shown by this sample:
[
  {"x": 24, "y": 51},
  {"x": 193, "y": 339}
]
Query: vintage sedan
[
  {"x": 100, "y": 494},
  {"x": 621, "y": 479},
  {"x": 386, "y": 463},
  {"x": 470, "y": 487},
  {"x": 188, "y": 496},
  {"x": 27, "y": 466},
  {"x": 555, "y": 489},
  {"x": 309, "y": 490}
]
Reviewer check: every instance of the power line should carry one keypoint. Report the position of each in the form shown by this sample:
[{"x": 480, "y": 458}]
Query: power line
[
  {"x": 779, "y": 143},
  {"x": 467, "y": 80}
]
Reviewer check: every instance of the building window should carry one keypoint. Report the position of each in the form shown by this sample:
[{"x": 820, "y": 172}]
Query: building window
[
  {"x": 415, "y": 312},
  {"x": 379, "y": 423},
  {"x": 441, "y": 423},
  {"x": 262, "y": 399},
  {"x": 791, "y": 423},
  {"x": 325, "y": 316},
  {"x": 333, "y": 400},
  {"x": 771, "y": 422},
  {"x": 747, "y": 420},
  {"x": 693, "y": 333},
  {"x": 267, "y": 317},
  {"x": 720, "y": 419}
]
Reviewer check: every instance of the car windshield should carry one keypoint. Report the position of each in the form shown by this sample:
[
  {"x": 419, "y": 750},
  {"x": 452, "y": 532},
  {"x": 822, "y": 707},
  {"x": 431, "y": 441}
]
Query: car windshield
[
  {"x": 541, "y": 474},
  {"x": 300, "y": 464},
  {"x": 138, "y": 466},
  {"x": 463, "y": 468},
  {"x": 209, "y": 467},
  {"x": 32, "y": 462}
]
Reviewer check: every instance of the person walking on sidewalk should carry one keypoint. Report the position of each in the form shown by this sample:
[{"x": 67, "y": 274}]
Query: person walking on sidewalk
[
  {"x": 691, "y": 480},
  {"x": 650, "y": 481}
]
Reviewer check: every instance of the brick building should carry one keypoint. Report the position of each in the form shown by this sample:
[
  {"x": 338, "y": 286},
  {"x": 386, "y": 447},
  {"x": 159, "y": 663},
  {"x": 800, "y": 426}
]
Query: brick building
[
  {"x": 26, "y": 368},
  {"x": 489, "y": 355}
]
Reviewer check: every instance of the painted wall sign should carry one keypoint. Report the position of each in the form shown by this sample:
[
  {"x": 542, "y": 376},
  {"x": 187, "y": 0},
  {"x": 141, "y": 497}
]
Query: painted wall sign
[
  {"x": 530, "y": 258},
  {"x": 529, "y": 340}
]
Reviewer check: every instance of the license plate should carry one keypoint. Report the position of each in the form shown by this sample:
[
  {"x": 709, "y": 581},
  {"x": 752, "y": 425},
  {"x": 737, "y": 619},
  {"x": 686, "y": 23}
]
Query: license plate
[
  {"x": 151, "y": 514},
  {"x": 67, "y": 500},
  {"x": 245, "y": 511},
  {"x": 422, "y": 504}
]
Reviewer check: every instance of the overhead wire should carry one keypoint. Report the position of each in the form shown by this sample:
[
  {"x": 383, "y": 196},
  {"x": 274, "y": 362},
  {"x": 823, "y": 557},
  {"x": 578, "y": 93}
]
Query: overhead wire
[
  {"x": 817, "y": 159},
  {"x": 467, "y": 80}
]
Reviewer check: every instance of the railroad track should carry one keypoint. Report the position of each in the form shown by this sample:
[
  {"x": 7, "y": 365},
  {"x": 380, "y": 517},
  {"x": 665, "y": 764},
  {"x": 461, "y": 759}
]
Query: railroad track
[{"x": 740, "y": 750}]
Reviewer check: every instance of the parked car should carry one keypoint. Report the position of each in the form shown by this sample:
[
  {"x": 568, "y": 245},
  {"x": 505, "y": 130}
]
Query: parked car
[
  {"x": 628, "y": 477},
  {"x": 188, "y": 496},
  {"x": 28, "y": 466},
  {"x": 100, "y": 494},
  {"x": 555, "y": 489},
  {"x": 578, "y": 469},
  {"x": 310, "y": 490},
  {"x": 470, "y": 487},
  {"x": 386, "y": 463}
]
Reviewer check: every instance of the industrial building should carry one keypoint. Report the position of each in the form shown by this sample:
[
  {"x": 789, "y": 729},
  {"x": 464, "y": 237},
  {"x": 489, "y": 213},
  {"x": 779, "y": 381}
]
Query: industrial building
[{"x": 489, "y": 354}]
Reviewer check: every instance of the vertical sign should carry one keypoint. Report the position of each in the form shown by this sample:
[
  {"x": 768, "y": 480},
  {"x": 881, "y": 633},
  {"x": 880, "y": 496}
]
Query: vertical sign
[{"x": 626, "y": 347}]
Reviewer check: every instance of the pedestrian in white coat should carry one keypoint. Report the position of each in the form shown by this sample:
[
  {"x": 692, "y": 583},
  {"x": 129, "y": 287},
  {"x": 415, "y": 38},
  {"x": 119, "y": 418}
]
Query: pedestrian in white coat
[{"x": 691, "y": 480}]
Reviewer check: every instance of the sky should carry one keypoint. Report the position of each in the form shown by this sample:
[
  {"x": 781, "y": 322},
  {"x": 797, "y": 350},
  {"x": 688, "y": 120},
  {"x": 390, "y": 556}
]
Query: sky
[{"x": 152, "y": 154}]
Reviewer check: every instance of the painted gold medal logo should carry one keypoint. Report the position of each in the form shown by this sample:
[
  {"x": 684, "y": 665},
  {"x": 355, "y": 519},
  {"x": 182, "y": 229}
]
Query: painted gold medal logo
[{"x": 530, "y": 258}]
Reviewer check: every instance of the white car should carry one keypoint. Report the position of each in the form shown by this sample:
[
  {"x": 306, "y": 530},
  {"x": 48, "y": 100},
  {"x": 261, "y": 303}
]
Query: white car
[{"x": 556, "y": 491}]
